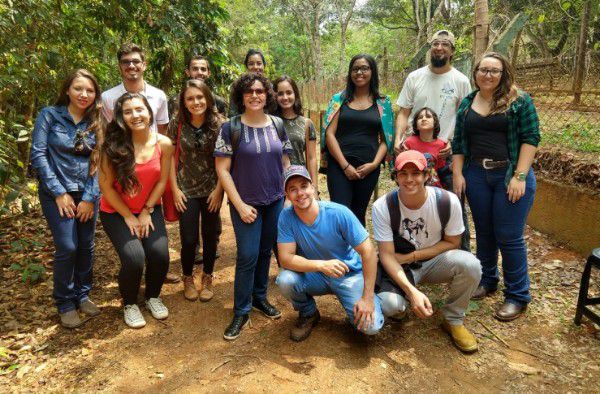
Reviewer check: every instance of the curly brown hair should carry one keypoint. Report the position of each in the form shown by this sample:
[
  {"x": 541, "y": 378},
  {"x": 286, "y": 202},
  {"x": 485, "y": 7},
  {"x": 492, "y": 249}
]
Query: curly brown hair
[
  {"x": 244, "y": 83},
  {"x": 118, "y": 145},
  {"x": 92, "y": 114},
  {"x": 507, "y": 91}
]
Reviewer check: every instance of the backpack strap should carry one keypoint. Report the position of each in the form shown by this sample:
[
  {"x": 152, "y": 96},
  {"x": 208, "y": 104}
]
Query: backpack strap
[
  {"x": 393, "y": 206},
  {"x": 442, "y": 199},
  {"x": 235, "y": 127},
  {"x": 278, "y": 123}
]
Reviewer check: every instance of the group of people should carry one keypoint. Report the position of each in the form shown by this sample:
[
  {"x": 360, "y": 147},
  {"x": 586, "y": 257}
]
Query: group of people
[{"x": 119, "y": 156}]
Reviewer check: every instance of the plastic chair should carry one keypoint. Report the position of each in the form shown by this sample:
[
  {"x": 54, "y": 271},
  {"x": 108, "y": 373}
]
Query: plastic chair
[{"x": 583, "y": 301}]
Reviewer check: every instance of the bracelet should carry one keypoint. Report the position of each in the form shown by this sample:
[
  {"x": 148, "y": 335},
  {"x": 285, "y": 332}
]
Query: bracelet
[{"x": 347, "y": 165}]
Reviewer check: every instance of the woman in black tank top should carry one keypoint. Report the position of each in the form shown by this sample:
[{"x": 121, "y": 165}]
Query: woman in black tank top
[{"x": 354, "y": 138}]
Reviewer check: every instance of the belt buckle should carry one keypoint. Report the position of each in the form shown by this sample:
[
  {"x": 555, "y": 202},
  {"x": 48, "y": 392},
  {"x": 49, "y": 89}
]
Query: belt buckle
[{"x": 485, "y": 165}]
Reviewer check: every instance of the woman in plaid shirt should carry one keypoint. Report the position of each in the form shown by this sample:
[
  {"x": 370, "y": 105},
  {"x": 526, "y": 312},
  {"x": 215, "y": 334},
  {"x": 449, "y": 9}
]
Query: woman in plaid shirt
[{"x": 495, "y": 140}]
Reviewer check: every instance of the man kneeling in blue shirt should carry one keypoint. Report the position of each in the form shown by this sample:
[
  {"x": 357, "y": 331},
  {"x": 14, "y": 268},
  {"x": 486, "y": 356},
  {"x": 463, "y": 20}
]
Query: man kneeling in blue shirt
[{"x": 323, "y": 249}]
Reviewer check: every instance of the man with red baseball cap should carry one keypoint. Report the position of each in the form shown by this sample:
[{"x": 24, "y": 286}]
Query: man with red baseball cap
[{"x": 418, "y": 231}]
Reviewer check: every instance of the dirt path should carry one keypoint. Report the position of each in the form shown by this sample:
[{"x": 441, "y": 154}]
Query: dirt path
[{"x": 186, "y": 352}]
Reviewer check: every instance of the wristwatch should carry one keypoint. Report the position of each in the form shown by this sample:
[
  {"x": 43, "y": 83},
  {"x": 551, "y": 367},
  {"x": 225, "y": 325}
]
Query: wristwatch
[
  {"x": 520, "y": 176},
  {"x": 148, "y": 208}
]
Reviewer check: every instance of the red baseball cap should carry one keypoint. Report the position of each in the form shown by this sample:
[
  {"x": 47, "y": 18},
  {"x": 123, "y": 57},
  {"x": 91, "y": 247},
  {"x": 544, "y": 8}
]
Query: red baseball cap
[{"x": 411, "y": 156}]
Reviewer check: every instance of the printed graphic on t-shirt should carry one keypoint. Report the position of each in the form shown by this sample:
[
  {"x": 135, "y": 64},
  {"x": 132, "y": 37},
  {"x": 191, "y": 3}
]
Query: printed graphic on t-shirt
[{"x": 413, "y": 228}]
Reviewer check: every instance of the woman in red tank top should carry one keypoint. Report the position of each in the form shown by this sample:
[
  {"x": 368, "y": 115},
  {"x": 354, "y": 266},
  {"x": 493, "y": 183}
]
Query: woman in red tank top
[{"x": 135, "y": 165}]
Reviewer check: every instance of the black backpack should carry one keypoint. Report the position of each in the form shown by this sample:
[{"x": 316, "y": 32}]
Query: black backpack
[{"x": 236, "y": 129}]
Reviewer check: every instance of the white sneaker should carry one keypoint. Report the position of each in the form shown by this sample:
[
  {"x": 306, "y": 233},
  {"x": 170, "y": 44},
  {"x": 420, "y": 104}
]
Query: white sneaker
[
  {"x": 134, "y": 317},
  {"x": 157, "y": 308}
]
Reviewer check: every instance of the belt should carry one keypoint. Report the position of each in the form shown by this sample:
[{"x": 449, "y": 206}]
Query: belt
[{"x": 490, "y": 164}]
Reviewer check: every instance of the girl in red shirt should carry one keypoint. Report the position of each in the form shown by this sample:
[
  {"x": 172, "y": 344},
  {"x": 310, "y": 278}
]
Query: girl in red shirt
[{"x": 134, "y": 170}]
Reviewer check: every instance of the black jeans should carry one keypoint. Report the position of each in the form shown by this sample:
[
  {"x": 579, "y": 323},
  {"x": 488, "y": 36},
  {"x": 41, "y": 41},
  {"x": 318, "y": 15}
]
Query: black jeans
[
  {"x": 197, "y": 209},
  {"x": 353, "y": 194},
  {"x": 134, "y": 253}
]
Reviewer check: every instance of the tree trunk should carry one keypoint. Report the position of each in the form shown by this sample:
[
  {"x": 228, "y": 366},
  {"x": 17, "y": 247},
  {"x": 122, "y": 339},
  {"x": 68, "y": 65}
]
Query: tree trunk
[
  {"x": 514, "y": 56},
  {"x": 482, "y": 29},
  {"x": 581, "y": 51},
  {"x": 345, "y": 10}
]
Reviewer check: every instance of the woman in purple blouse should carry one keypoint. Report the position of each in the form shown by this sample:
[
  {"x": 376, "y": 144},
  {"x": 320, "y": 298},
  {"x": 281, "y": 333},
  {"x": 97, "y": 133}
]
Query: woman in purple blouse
[{"x": 251, "y": 153}]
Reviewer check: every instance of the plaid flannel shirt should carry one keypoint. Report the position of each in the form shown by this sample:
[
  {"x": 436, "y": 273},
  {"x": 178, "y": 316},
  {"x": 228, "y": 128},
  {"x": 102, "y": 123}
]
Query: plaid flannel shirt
[{"x": 523, "y": 128}]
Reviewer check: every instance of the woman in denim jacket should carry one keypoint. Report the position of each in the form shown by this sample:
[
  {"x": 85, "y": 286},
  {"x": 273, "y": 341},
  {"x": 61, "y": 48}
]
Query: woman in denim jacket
[
  {"x": 495, "y": 140},
  {"x": 65, "y": 158}
]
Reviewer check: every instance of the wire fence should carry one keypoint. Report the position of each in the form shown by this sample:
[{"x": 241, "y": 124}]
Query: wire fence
[{"x": 569, "y": 117}]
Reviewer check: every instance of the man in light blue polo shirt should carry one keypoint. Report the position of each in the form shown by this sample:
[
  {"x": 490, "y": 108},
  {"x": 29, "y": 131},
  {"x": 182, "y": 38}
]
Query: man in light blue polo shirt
[{"x": 336, "y": 257}]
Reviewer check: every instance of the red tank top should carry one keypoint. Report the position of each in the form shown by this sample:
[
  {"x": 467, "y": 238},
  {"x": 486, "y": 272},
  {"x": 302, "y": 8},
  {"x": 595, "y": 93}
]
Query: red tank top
[{"x": 148, "y": 175}]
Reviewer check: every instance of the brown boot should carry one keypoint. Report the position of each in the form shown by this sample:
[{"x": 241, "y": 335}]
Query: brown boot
[
  {"x": 206, "y": 292},
  {"x": 189, "y": 288}
]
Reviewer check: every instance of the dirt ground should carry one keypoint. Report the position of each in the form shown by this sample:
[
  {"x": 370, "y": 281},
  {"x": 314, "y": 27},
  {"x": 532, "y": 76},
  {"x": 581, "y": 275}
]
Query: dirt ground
[{"x": 186, "y": 353}]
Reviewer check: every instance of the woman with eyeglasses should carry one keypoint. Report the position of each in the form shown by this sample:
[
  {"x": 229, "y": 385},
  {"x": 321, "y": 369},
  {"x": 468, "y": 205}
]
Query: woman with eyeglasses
[
  {"x": 64, "y": 155},
  {"x": 134, "y": 170},
  {"x": 358, "y": 131},
  {"x": 251, "y": 153},
  {"x": 495, "y": 141},
  {"x": 196, "y": 190}
]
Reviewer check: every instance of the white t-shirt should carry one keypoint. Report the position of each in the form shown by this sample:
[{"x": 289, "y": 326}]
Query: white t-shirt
[
  {"x": 156, "y": 98},
  {"x": 440, "y": 92},
  {"x": 422, "y": 226}
]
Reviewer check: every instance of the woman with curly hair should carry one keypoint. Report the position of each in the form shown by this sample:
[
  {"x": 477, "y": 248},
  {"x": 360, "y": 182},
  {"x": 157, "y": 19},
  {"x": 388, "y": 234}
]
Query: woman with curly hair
[
  {"x": 64, "y": 154},
  {"x": 251, "y": 153},
  {"x": 134, "y": 170},
  {"x": 358, "y": 131},
  {"x": 196, "y": 190},
  {"x": 495, "y": 141}
]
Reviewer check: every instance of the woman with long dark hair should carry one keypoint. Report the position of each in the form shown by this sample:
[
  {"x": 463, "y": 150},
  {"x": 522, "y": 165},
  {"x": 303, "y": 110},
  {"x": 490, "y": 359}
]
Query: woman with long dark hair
[
  {"x": 299, "y": 129},
  {"x": 495, "y": 141},
  {"x": 196, "y": 190},
  {"x": 134, "y": 170},
  {"x": 251, "y": 153},
  {"x": 64, "y": 154},
  {"x": 358, "y": 131}
]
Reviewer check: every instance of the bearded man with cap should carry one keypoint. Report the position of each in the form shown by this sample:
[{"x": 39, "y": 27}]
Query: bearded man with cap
[
  {"x": 324, "y": 249},
  {"x": 441, "y": 87},
  {"x": 418, "y": 231}
]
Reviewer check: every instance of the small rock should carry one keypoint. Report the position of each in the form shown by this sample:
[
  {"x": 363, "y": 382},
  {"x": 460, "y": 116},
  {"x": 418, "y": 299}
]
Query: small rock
[{"x": 524, "y": 368}]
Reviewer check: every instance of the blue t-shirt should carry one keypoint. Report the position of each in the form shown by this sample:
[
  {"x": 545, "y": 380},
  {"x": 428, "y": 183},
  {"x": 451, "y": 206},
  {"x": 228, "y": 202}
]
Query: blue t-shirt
[
  {"x": 256, "y": 166},
  {"x": 334, "y": 234}
]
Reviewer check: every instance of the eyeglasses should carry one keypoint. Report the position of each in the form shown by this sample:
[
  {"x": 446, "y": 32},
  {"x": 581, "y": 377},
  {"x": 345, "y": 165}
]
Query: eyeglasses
[
  {"x": 127, "y": 62},
  {"x": 494, "y": 72},
  {"x": 443, "y": 43},
  {"x": 252, "y": 92},
  {"x": 361, "y": 69}
]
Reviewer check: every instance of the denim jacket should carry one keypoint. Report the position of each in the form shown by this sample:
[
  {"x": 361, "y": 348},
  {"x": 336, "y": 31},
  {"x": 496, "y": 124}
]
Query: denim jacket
[{"x": 59, "y": 170}]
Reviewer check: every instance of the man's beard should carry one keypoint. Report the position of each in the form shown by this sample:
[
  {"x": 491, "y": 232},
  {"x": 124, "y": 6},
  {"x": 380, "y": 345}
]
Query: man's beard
[{"x": 438, "y": 62}]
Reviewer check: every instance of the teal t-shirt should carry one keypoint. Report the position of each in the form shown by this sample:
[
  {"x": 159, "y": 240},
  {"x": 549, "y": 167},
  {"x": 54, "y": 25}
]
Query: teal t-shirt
[{"x": 334, "y": 234}]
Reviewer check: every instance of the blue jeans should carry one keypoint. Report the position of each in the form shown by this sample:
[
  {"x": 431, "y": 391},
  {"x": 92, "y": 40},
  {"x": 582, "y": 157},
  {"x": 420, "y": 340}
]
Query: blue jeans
[
  {"x": 500, "y": 224},
  {"x": 300, "y": 288},
  {"x": 73, "y": 255},
  {"x": 254, "y": 246}
]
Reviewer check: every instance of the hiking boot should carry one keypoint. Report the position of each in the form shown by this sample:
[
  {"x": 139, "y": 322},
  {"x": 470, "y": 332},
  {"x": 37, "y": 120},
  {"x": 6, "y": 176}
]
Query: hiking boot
[
  {"x": 89, "y": 308},
  {"x": 157, "y": 308},
  {"x": 481, "y": 292},
  {"x": 189, "y": 288},
  {"x": 70, "y": 319},
  {"x": 172, "y": 278},
  {"x": 206, "y": 292},
  {"x": 133, "y": 316},
  {"x": 266, "y": 308},
  {"x": 304, "y": 326},
  {"x": 235, "y": 328},
  {"x": 509, "y": 311},
  {"x": 462, "y": 338}
]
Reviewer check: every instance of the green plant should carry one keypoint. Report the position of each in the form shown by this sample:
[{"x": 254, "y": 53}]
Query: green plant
[{"x": 30, "y": 269}]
